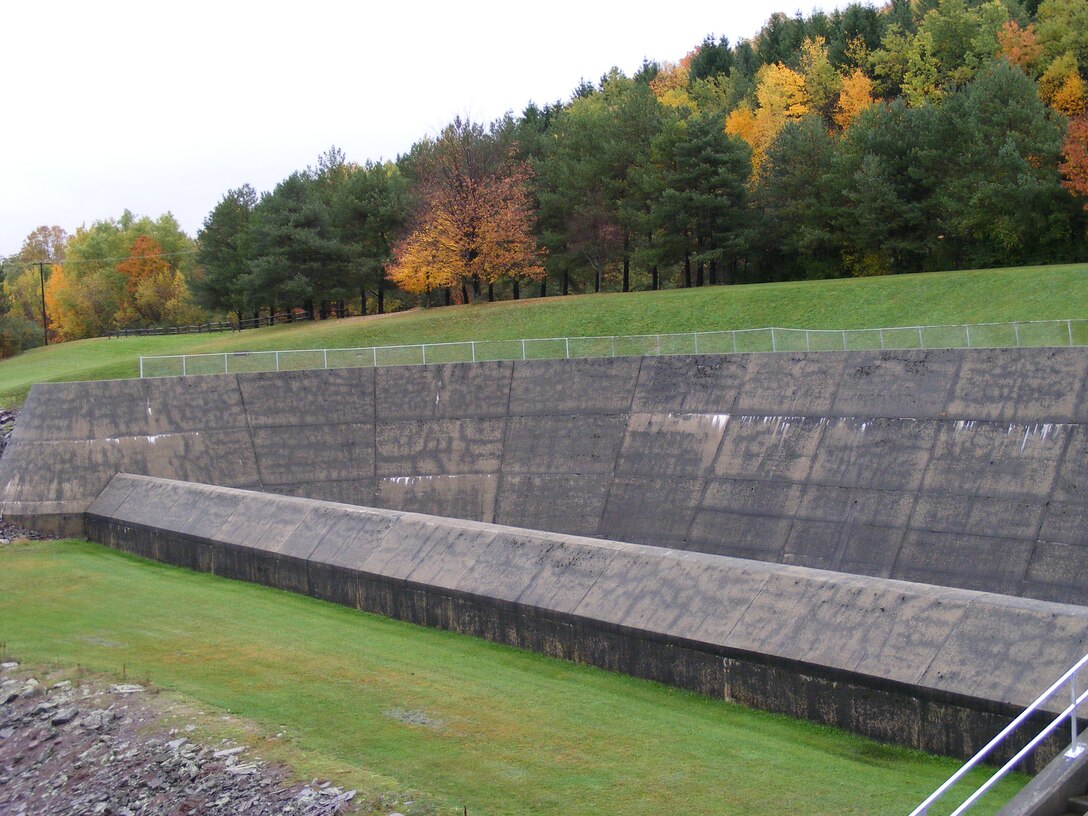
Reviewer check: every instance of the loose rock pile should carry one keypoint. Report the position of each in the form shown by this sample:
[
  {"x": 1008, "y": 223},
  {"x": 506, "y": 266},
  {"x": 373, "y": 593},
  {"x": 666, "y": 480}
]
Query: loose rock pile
[
  {"x": 12, "y": 532},
  {"x": 89, "y": 749},
  {"x": 7, "y": 425}
]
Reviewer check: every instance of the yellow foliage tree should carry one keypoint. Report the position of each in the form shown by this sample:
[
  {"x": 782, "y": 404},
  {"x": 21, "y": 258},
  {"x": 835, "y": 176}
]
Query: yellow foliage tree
[
  {"x": 781, "y": 95},
  {"x": 1061, "y": 86},
  {"x": 781, "y": 91},
  {"x": 856, "y": 96}
]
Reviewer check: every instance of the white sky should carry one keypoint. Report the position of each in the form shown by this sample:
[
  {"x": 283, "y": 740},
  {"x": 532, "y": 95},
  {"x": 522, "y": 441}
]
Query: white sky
[{"x": 157, "y": 106}]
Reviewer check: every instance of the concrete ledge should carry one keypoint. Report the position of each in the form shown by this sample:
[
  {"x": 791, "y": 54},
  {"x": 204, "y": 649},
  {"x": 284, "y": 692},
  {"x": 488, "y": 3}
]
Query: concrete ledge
[{"x": 930, "y": 667}]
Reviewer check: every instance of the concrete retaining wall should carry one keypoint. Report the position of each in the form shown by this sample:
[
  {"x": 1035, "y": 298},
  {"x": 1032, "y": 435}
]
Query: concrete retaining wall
[
  {"x": 964, "y": 468},
  {"x": 935, "y": 668}
]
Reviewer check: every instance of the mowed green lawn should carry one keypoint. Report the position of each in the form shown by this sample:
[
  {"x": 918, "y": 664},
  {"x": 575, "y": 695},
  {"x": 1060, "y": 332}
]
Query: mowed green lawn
[
  {"x": 1028, "y": 293},
  {"x": 496, "y": 729}
]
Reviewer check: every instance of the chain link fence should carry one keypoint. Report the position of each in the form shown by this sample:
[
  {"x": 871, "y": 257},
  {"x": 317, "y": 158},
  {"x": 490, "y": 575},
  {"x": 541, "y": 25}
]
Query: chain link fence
[{"x": 1037, "y": 333}]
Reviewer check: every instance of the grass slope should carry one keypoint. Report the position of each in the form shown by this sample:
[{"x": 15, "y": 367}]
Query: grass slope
[
  {"x": 1028, "y": 293},
  {"x": 506, "y": 731}
]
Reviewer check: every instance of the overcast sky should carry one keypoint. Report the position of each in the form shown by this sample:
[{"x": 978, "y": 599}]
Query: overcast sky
[{"x": 161, "y": 107}]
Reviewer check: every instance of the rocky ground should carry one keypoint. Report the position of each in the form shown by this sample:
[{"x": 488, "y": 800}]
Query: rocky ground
[{"x": 88, "y": 747}]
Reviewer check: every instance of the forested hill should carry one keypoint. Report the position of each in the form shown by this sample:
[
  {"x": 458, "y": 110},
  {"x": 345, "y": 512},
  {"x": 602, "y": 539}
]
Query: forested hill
[{"x": 924, "y": 135}]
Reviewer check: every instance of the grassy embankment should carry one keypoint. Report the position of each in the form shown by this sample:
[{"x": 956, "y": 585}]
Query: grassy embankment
[
  {"x": 502, "y": 731},
  {"x": 1030, "y": 293}
]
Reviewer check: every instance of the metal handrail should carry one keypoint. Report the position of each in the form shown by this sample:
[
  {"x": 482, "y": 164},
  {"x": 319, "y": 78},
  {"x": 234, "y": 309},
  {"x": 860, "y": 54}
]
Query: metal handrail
[
  {"x": 1075, "y": 747},
  {"x": 780, "y": 340}
]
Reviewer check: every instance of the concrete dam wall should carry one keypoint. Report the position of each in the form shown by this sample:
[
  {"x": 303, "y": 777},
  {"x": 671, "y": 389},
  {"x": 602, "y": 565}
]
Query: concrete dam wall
[{"x": 961, "y": 468}]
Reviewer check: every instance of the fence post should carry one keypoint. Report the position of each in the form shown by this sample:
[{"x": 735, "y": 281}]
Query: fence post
[
  {"x": 325, "y": 353},
  {"x": 1016, "y": 331},
  {"x": 613, "y": 345},
  {"x": 967, "y": 328},
  {"x": 774, "y": 343},
  {"x": 921, "y": 342},
  {"x": 1069, "y": 326},
  {"x": 424, "y": 347},
  {"x": 523, "y": 349},
  {"x": 183, "y": 369},
  {"x": 844, "y": 340},
  {"x": 473, "y": 344},
  {"x": 375, "y": 350},
  {"x": 734, "y": 341},
  {"x": 225, "y": 363},
  {"x": 659, "y": 345},
  {"x": 696, "y": 336},
  {"x": 277, "y": 361},
  {"x": 566, "y": 342},
  {"x": 881, "y": 339},
  {"x": 808, "y": 342},
  {"x": 141, "y": 366}
]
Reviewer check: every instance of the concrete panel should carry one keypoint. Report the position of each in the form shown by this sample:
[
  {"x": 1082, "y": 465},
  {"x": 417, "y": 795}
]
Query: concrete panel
[
  {"x": 351, "y": 491},
  {"x": 455, "y": 391},
  {"x": 440, "y": 446},
  {"x": 266, "y": 522},
  {"x": 675, "y": 445},
  {"x": 82, "y": 411},
  {"x": 769, "y": 447},
  {"x": 565, "y": 503},
  {"x": 1066, "y": 522},
  {"x": 740, "y": 534},
  {"x": 985, "y": 458},
  {"x": 1019, "y": 385},
  {"x": 685, "y": 385},
  {"x": 791, "y": 384},
  {"x": 457, "y": 496},
  {"x": 628, "y": 516},
  {"x": 308, "y": 397},
  {"x": 863, "y": 549},
  {"x": 969, "y": 561},
  {"x": 1009, "y": 649},
  {"x": 184, "y": 404},
  {"x": 598, "y": 386},
  {"x": 1058, "y": 572},
  {"x": 856, "y": 505},
  {"x": 343, "y": 536},
  {"x": 563, "y": 444},
  {"x": 884, "y": 453},
  {"x": 311, "y": 453},
  {"x": 897, "y": 384}
]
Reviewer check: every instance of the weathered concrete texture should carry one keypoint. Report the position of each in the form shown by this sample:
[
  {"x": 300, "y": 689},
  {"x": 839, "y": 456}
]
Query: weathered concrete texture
[
  {"x": 936, "y": 668},
  {"x": 964, "y": 468}
]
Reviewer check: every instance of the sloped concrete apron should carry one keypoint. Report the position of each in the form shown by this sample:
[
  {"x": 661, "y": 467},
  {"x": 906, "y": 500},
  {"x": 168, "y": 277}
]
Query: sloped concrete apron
[{"x": 935, "y": 668}]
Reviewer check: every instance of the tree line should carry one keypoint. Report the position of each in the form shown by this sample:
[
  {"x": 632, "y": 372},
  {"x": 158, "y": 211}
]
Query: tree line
[{"x": 923, "y": 135}]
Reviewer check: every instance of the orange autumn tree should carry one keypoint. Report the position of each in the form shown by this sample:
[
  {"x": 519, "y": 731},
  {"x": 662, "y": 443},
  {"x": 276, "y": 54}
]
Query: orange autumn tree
[
  {"x": 1074, "y": 166},
  {"x": 474, "y": 227},
  {"x": 1019, "y": 45},
  {"x": 155, "y": 293}
]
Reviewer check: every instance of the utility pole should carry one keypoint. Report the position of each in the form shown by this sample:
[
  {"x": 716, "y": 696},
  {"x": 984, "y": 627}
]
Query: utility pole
[{"x": 45, "y": 319}]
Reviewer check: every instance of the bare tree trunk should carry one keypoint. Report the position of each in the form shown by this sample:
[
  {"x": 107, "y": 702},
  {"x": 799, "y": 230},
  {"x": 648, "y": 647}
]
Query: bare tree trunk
[
  {"x": 654, "y": 282},
  {"x": 362, "y": 301},
  {"x": 517, "y": 290},
  {"x": 687, "y": 270},
  {"x": 381, "y": 295}
]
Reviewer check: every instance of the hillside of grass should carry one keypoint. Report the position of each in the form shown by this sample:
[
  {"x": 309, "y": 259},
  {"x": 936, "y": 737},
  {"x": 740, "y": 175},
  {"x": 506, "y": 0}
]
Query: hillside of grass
[
  {"x": 469, "y": 723},
  {"x": 981, "y": 296}
]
